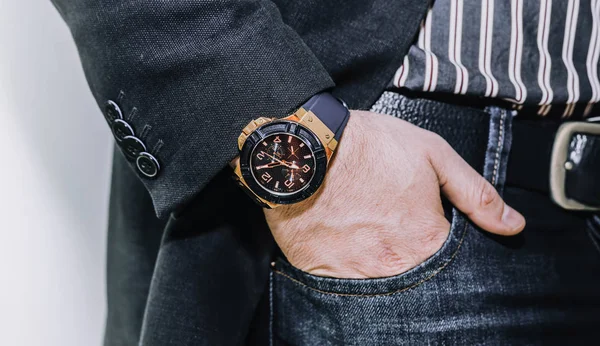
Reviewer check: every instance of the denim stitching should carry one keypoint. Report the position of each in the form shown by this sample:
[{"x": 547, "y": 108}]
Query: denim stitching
[
  {"x": 437, "y": 271},
  {"x": 499, "y": 147}
]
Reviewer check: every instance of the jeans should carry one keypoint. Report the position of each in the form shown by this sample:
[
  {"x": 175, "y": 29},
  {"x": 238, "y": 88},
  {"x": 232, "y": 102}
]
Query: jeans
[{"x": 539, "y": 287}]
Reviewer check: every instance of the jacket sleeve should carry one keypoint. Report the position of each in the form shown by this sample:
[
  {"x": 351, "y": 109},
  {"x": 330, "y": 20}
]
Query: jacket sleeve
[{"x": 187, "y": 77}]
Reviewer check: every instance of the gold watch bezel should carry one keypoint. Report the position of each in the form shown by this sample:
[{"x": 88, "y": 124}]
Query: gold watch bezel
[{"x": 306, "y": 118}]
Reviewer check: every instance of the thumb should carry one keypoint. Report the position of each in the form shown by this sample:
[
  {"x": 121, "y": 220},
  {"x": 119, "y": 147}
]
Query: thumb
[{"x": 472, "y": 194}]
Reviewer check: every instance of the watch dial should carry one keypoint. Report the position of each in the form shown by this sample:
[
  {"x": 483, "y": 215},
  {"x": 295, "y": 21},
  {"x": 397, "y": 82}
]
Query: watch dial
[{"x": 282, "y": 163}]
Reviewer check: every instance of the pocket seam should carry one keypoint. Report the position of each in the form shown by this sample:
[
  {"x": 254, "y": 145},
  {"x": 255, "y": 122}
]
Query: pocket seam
[
  {"x": 499, "y": 147},
  {"x": 418, "y": 283}
]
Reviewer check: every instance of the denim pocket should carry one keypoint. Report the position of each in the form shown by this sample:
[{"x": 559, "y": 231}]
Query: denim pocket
[
  {"x": 282, "y": 270},
  {"x": 312, "y": 310}
]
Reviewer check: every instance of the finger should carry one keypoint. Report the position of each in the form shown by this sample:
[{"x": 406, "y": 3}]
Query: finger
[{"x": 472, "y": 194}]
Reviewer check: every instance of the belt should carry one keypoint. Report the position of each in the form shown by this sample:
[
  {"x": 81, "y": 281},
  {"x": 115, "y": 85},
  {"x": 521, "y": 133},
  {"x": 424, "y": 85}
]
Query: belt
[{"x": 561, "y": 160}]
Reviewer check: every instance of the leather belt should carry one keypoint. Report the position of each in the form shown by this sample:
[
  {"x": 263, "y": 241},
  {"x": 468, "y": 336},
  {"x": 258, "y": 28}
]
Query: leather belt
[{"x": 560, "y": 159}]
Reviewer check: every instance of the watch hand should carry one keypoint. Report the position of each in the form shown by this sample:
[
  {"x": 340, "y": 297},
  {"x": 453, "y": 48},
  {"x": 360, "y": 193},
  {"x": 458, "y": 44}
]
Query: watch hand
[
  {"x": 289, "y": 165},
  {"x": 272, "y": 157},
  {"x": 269, "y": 165},
  {"x": 285, "y": 163}
]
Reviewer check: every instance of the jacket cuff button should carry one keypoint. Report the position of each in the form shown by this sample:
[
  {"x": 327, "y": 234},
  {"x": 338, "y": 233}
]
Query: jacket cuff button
[
  {"x": 121, "y": 129},
  {"x": 147, "y": 165},
  {"x": 112, "y": 112},
  {"x": 132, "y": 147}
]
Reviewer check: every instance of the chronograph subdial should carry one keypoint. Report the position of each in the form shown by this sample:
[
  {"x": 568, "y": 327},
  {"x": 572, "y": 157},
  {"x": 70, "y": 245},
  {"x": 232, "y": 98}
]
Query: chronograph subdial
[
  {"x": 282, "y": 164},
  {"x": 291, "y": 175},
  {"x": 276, "y": 149}
]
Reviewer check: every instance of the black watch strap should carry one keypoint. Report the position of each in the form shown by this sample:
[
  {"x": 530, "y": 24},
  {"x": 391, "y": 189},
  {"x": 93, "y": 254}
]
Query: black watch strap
[{"x": 330, "y": 110}]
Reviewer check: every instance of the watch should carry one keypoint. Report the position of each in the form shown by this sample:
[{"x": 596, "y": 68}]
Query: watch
[{"x": 284, "y": 161}]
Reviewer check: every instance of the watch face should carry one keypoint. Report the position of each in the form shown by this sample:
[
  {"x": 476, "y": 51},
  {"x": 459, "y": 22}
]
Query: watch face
[{"x": 282, "y": 163}]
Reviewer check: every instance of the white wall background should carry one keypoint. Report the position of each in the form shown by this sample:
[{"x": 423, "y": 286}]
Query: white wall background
[{"x": 54, "y": 175}]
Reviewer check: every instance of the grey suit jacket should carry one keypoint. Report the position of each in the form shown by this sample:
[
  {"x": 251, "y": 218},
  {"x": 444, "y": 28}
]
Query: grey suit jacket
[{"x": 188, "y": 254}]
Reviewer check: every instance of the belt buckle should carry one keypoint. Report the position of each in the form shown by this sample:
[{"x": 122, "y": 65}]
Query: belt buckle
[{"x": 558, "y": 161}]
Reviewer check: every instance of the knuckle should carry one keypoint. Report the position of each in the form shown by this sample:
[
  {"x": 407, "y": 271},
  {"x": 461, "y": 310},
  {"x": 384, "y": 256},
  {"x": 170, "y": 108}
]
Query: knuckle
[
  {"x": 441, "y": 149},
  {"x": 488, "y": 196},
  {"x": 436, "y": 141},
  {"x": 436, "y": 146}
]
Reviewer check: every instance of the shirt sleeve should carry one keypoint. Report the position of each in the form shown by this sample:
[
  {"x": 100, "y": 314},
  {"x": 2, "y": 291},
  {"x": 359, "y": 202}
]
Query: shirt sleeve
[{"x": 187, "y": 76}]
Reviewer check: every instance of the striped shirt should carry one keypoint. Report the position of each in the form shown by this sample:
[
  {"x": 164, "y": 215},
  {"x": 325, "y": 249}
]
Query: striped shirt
[{"x": 538, "y": 54}]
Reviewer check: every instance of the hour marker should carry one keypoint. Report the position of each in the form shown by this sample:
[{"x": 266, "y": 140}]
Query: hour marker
[
  {"x": 265, "y": 144},
  {"x": 266, "y": 177},
  {"x": 301, "y": 180},
  {"x": 290, "y": 139},
  {"x": 301, "y": 145},
  {"x": 307, "y": 156},
  {"x": 277, "y": 184},
  {"x": 277, "y": 140}
]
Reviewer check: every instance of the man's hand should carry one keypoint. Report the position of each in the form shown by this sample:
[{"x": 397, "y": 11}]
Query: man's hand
[{"x": 379, "y": 211}]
